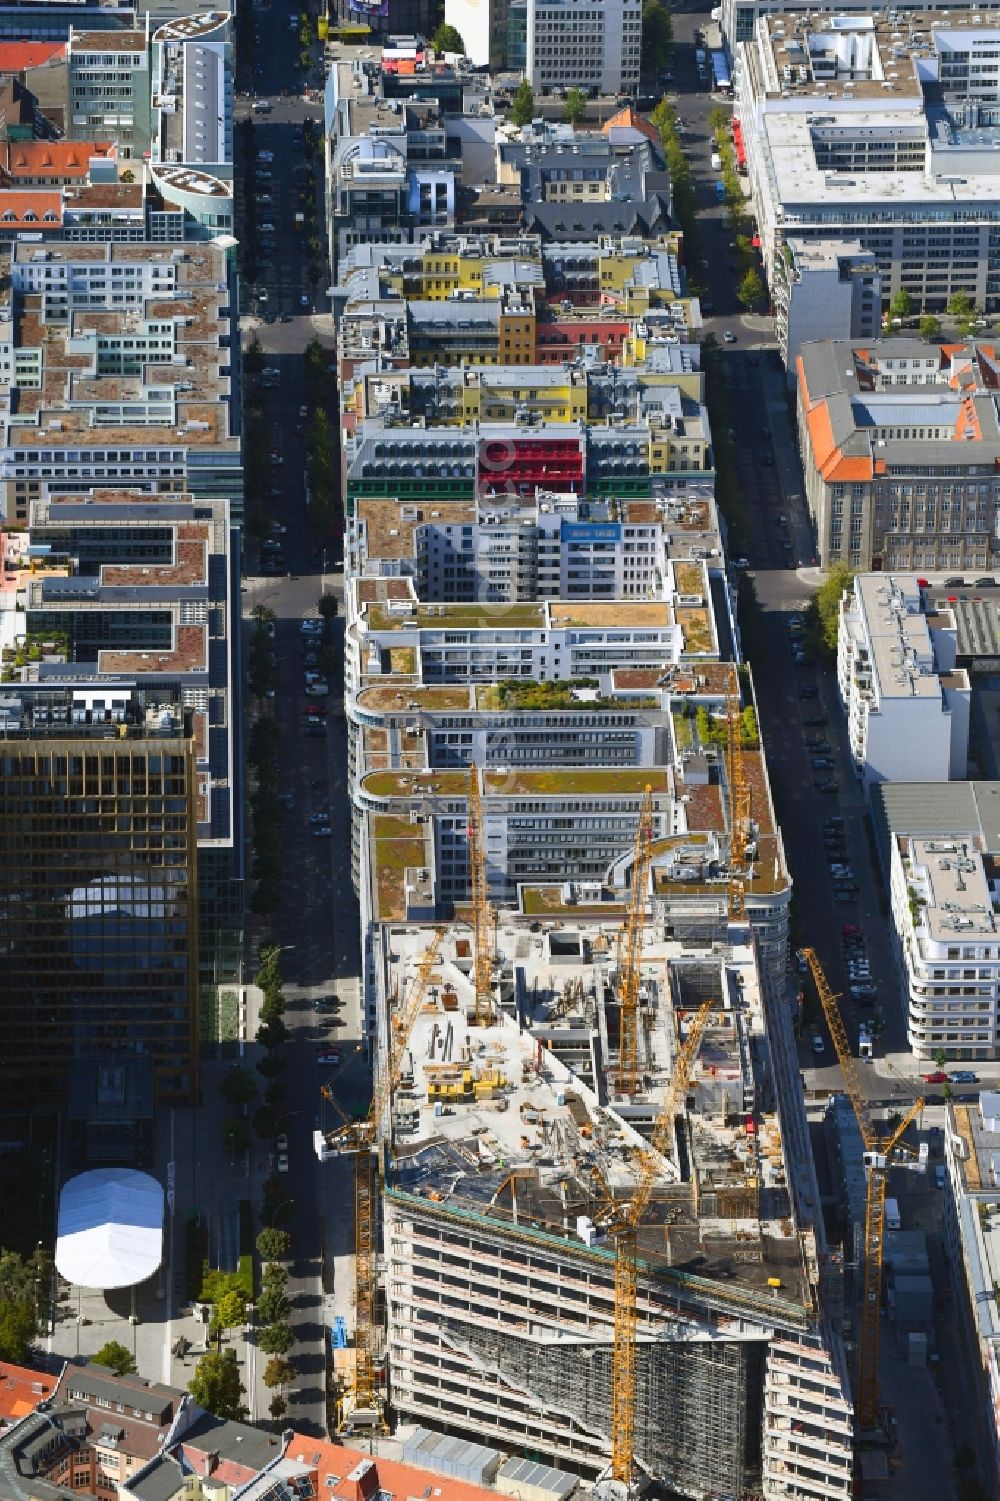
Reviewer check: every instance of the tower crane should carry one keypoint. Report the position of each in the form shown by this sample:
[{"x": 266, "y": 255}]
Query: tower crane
[
  {"x": 878, "y": 1157},
  {"x": 360, "y": 1138},
  {"x": 630, "y": 951},
  {"x": 482, "y": 920},
  {"x": 740, "y": 827},
  {"x": 622, "y": 1223}
]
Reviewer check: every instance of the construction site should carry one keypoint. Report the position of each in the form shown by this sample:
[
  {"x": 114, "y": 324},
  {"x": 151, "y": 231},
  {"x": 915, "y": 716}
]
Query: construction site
[{"x": 520, "y": 1136}]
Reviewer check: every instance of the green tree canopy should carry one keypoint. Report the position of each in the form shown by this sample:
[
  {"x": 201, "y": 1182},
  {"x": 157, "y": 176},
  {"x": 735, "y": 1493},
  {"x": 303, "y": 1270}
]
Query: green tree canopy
[
  {"x": 960, "y": 305},
  {"x": 657, "y": 36},
  {"x": 448, "y": 38},
  {"x": 277, "y": 1407},
  {"x": 231, "y": 1310},
  {"x": 522, "y": 106},
  {"x": 751, "y": 289},
  {"x": 276, "y": 1339},
  {"x": 273, "y": 1245},
  {"x": 215, "y": 1385},
  {"x": 930, "y": 327},
  {"x": 827, "y": 601},
  {"x": 328, "y": 606},
  {"x": 117, "y": 1357},
  {"x": 278, "y": 1371},
  {"x": 901, "y": 304},
  {"x": 575, "y": 106},
  {"x": 239, "y": 1086},
  {"x": 17, "y": 1330}
]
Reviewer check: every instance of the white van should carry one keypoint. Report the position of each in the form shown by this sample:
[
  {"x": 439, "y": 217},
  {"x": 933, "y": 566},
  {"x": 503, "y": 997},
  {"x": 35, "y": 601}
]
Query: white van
[
  {"x": 317, "y": 690},
  {"x": 261, "y": 107}
]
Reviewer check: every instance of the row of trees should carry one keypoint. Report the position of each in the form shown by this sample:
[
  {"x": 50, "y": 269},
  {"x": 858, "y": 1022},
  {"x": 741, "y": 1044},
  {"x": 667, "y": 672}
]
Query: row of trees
[
  {"x": 25, "y": 1301},
  {"x": 265, "y": 806},
  {"x": 321, "y": 453},
  {"x": 960, "y": 307},
  {"x": 664, "y": 118},
  {"x": 751, "y": 290}
]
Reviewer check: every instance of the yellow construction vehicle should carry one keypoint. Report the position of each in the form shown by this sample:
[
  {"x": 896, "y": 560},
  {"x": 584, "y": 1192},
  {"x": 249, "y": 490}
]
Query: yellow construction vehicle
[
  {"x": 630, "y": 952},
  {"x": 878, "y": 1157},
  {"x": 361, "y": 1138},
  {"x": 482, "y": 917},
  {"x": 621, "y": 1221}
]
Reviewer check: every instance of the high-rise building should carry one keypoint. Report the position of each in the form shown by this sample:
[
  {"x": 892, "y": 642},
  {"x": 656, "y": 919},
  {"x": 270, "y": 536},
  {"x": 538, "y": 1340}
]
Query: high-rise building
[{"x": 98, "y": 892}]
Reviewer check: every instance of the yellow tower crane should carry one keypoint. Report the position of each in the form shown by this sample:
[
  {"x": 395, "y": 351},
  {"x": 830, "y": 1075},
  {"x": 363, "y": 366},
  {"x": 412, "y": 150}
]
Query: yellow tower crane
[
  {"x": 622, "y": 1222},
  {"x": 482, "y": 920},
  {"x": 878, "y": 1156},
  {"x": 360, "y": 1138},
  {"x": 630, "y": 951},
  {"x": 740, "y": 827}
]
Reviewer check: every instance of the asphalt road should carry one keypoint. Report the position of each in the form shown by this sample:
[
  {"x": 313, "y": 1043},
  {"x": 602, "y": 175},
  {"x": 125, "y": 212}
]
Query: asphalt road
[{"x": 318, "y": 921}]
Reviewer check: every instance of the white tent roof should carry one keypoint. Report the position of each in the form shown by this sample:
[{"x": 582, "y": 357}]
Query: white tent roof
[{"x": 110, "y": 1228}]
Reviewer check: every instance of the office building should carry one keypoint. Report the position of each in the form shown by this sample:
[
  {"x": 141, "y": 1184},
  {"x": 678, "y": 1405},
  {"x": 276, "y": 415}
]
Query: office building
[
  {"x": 584, "y": 45},
  {"x": 906, "y": 702},
  {"x": 824, "y": 290},
  {"x": 122, "y": 633},
  {"x": 120, "y": 366},
  {"x": 109, "y": 88},
  {"x": 878, "y": 129},
  {"x": 899, "y": 442},
  {"x": 739, "y": 17},
  {"x": 191, "y": 88}
]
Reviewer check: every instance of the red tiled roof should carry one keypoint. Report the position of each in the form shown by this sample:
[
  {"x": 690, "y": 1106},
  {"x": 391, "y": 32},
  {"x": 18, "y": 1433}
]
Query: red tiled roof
[
  {"x": 352, "y": 1475},
  {"x": 52, "y": 158},
  {"x": 16, "y": 56},
  {"x": 21, "y": 1390},
  {"x": 630, "y": 117},
  {"x": 42, "y": 209}
]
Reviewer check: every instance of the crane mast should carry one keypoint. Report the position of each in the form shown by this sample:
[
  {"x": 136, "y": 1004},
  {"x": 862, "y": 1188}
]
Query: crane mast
[
  {"x": 630, "y": 951},
  {"x": 878, "y": 1160},
  {"x": 482, "y": 923},
  {"x": 361, "y": 1139},
  {"x": 624, "y": 1221}
]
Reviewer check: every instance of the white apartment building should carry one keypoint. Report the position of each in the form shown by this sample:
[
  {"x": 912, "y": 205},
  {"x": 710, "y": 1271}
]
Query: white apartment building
[
  {"x": 874, "y": 129},
  {"x": 824, "y": 289},
  {"x": 972, "y": 1240},
  {"x": 944, "y": 897},
  {"x": 906, "y": 703},
  {"x": 593, "y": 45}
]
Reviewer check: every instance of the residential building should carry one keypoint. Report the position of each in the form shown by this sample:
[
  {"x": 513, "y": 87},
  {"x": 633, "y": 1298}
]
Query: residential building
[
  {"x": 824, "y": 289},
  {"x": 389, "y": 171},
  {"x": 899, "y": 442},
  {"x": 873, "y": 128},
  {"x": 906, "y": 703},
  {"x": 760, "y": 1398},
  {"x": 21, "y": 1390},
  {"x": 109, "y": 88},
  {"x": 551, "y": 546},
  {"x": 972, "y": 1241},
  {"x": 593, "y": 45},
  {"x": 944, "y": 897},
  {"x": 120, "y": 365}
]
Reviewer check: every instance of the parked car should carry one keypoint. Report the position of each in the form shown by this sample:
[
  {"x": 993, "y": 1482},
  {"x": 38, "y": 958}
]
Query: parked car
[
  {"x": 817, "y": 1044},
  {"x": 282, "y": 1162},
  {"x": 825, "y": 786},
  {"x": 964, "y": 1076},
  {"x": 821, "y": 763},
  {"x": 329, "y": 1058},
  {"x": 937, "y": 1077}
]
